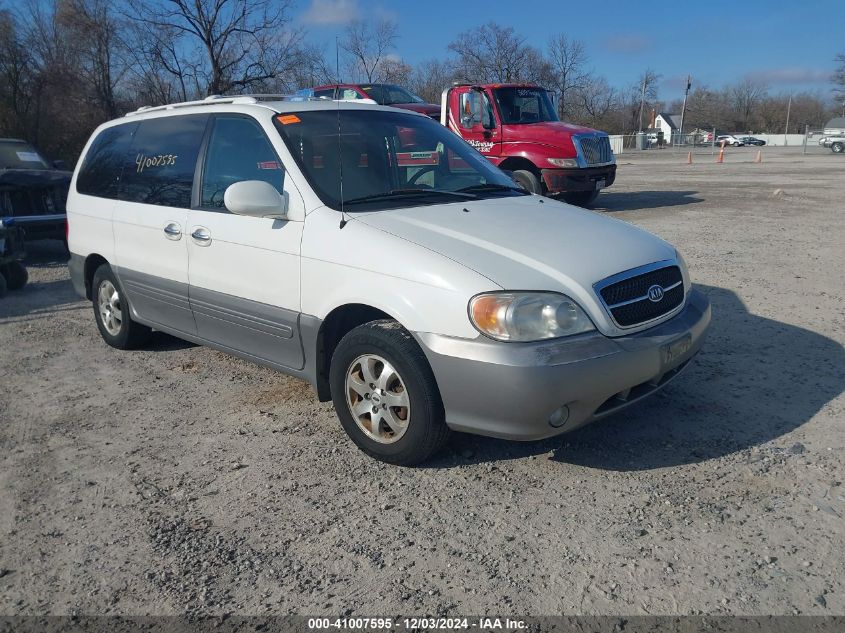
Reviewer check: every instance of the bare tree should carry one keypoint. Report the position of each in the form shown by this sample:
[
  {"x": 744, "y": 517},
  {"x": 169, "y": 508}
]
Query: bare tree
[
  {"x": 745, "y": 96},
  {"x": 430, "y": 78},
  {"x": 495, "y": 53},
  {"x": 839, "y": 80},
  {"x": 644, "y": 93},
  {"x": 368, "y": 48},
  {"x": 242, "y": 43},
  {"x": 567, "y": 60}
]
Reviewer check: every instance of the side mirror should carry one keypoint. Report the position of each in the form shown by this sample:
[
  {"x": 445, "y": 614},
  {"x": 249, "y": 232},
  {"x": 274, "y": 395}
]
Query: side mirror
[
  {"x": 255, "y": 198},
  {"x": 488, "y": 124}
]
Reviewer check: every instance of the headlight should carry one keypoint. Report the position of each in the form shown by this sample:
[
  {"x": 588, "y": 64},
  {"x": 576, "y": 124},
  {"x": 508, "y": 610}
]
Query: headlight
[
  {"x": 527, "y": 316},
  {"x": 563, "y": 162}
]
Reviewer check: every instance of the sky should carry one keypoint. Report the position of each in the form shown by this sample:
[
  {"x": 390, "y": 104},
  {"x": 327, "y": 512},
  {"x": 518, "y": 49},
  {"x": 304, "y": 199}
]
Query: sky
[{"x": 791, "y": 46}]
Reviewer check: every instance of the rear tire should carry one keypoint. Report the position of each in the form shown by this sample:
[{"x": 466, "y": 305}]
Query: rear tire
[
  {"x": 111, "y": 311},
  {"x": 837, "y": 148},
  {"x": 385, "y": 394},
  {"x": 581, "y": 198},
  {"x": 16, "y": 275},
  {"x": 528, "y": 181}
]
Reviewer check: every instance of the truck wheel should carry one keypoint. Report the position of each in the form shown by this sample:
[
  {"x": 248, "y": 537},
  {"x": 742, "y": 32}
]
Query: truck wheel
[
  {"x": 837, "y": 148},
  {"x": 111, "y": 312},
  {"x": 385, "y": 394},
  {"x": 16, "y": 275},
  {"x": 528, "y": 181},
  {"x": 581, "y": 198},
  {"x": 3, "y": 287}
]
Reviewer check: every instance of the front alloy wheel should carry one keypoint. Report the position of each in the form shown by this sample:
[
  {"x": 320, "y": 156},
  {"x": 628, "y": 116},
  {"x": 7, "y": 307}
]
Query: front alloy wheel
[{"x": 377, "y": 398}]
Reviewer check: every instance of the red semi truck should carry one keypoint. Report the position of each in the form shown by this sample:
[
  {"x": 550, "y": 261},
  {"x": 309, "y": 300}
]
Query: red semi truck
[{"x": 516, "y": 127}]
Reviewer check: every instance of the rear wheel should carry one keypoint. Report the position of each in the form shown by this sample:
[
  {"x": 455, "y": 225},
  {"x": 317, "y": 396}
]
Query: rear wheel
[
  {"x": 837, "y": 148},
  {"x": 528, "y": 181},
  {"x": 111, "y": 312},
  {"x": 16, "y": 275},
  {"x": 385, "y": 394},
  {"x": 581, "y": 198}
]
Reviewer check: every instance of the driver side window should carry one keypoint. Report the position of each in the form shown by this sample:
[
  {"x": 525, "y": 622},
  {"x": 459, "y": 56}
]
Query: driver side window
[
  {"x": 237, "y": 150},
  {"x": 475, "y": 110}
]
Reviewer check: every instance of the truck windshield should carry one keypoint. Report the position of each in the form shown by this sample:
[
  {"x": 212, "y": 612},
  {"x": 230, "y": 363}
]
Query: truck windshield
[
  {"x": 524, "y": 105},
  {"x": 388, "y": 94},
  {"x": 387, "y": 160},
  {"x": 20, "y": 155}
]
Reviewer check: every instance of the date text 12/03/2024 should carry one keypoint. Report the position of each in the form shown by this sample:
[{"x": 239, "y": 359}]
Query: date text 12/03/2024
[{"x": 414, "y": 623}]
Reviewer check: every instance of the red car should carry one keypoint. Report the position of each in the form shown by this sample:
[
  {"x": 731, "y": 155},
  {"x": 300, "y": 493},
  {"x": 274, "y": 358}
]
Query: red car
[{"x": 383, "y": 94}]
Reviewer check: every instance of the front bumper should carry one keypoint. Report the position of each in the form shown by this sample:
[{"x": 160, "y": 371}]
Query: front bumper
[
  {"x": 512, "y": 390},
  {"x": 577, "y": 179}
]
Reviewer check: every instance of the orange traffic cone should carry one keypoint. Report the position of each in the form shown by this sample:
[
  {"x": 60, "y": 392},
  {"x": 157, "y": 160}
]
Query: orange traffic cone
[
  {"x": 689, "y": 158},
  {"x": 759, "y": 158},
  {"x": 721, "y": 157}
]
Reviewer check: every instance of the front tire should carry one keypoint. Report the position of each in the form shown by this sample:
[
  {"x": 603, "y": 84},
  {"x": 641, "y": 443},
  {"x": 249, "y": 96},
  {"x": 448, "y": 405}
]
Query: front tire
[
  {"x": 837, "y": 148},
  {"x": 528, "y": 181},
  {"x": 16, "y": 275},
  {"x": 581, "y": 198},
  {"x": 385, "y": 394},
  {"x": 111, "y": 311}
]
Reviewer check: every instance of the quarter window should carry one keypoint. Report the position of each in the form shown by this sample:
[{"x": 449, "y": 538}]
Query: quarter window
[
  {"x": 161, "y": 164},
  {"x": 238, "y": 150},
  {"x": 101, "y": 168}
]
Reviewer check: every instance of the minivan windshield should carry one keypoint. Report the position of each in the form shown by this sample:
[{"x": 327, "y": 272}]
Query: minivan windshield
[
  {"x": 388, "y": 94},
  {"x": 524, "y": 104},
  {"x": 387, "y": 160},
  {"x": 20, "y": 155}
]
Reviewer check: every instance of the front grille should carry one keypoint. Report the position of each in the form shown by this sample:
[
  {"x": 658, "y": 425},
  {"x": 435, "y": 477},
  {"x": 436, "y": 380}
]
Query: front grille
[
  {"x": 595, "y": 149},
  {"x": 628, "y": 299}
]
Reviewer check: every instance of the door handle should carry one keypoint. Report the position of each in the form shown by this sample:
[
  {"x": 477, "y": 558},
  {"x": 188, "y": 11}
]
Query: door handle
[
  {"x": 173, "y": 231},
  {"x": 201, "y": 236}
]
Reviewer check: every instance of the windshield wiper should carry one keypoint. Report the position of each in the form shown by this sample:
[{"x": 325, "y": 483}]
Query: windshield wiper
[
  {"x": 491, "y": 187},
  {"x": 406, "y": 193}
]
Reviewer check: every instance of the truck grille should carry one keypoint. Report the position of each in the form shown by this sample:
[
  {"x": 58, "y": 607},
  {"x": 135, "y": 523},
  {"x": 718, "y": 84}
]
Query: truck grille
[
  {"x": 629, "y": 300},
  {"x": 595, "y": 149}
]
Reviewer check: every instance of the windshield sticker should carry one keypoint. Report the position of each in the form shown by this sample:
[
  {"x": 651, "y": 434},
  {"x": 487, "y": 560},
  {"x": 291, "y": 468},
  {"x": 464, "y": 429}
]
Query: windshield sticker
[
  {"x": 528, "y": 92},
  {"x": 287, "y": 119},
  {"x": 29, "y": 157},
  {"x": 481, "y": 146},
  {"x": 269, "y": 164},
  {"x": 408, "y": 159},
  {"x": 161, "y": 160}
]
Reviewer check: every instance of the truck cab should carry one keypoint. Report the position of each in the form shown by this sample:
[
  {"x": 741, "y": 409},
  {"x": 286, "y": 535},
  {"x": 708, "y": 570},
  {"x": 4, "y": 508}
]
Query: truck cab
[{"x": 517, "y": 128}]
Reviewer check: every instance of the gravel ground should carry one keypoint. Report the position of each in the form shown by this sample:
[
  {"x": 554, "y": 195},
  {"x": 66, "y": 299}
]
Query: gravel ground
[{"x": 179, "y": 479}]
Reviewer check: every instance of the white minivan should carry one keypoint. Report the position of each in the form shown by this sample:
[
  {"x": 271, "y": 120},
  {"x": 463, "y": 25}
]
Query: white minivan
[{"x": 375, "y": 254}]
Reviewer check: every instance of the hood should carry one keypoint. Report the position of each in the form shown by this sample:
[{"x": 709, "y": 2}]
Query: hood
[
  {"x": 547, "y": 133},
  {"x": 527, "y": 243},
  {"x": 34, "y": 177},
  {"x": 428, "y": 109}
]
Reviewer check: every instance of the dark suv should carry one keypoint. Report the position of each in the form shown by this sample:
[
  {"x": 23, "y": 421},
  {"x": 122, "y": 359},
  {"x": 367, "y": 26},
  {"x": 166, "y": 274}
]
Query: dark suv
[{"x": 33, "y": 190}]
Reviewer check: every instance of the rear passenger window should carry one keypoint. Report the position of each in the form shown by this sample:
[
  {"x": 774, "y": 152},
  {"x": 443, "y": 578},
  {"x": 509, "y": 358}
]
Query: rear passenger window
[
  {"x": 237, "y": 150},
  {"x": 100, "y": 171},
  {"x": 160, "y": 168}
]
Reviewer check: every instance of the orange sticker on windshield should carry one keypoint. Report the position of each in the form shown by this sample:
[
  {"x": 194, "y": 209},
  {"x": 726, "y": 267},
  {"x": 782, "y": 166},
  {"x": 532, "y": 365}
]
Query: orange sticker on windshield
[{"x": 286, "y": 119}]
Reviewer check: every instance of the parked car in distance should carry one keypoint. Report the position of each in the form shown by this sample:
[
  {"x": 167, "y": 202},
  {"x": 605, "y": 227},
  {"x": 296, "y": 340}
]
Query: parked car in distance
[
  {"x": 729, "y": 139},
  {"x": 33, "y": 190},
  {"x": 383, "y": 94},
  {"x": 835, "y": 143},
  {"x": 390, "y": 264},
  {"x": 751, "y": 140}
]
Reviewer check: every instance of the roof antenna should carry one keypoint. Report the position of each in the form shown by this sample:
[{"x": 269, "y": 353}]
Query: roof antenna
[{"x": 343, "y": 219}]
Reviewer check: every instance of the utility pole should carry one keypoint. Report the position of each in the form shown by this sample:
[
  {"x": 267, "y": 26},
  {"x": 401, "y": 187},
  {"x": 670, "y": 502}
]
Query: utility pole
[
  {"x": 684, "y": 108},
  {"x": 788, "y": 109},
  {"x": 642, "y": 104}
]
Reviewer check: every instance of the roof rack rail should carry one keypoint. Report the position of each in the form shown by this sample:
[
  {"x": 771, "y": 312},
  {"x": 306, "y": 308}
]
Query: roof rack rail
[{"x": 235, "y": 99}]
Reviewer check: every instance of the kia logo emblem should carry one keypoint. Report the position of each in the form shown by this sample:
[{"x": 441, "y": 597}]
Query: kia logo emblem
[{"x": 655, "y": 293}]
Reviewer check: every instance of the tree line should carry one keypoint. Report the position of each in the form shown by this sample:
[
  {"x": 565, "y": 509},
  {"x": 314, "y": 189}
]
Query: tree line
[{"x": 68, "y": 65}]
